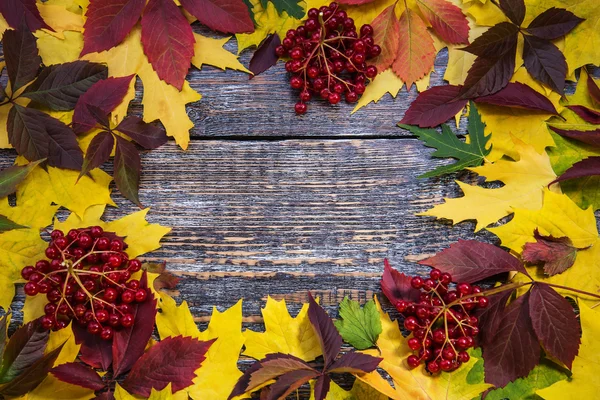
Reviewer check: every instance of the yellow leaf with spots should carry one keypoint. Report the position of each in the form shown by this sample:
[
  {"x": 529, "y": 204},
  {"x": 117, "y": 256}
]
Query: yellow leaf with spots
[
  {"x": 210, "y": 51},
  {"x": 283, "y": 333},
  {"x": 584, "y": 383},
  {"x": 415, "y": 384},
  {"x": 559, "y": 216},
  {"x": 523, "y": 180}
]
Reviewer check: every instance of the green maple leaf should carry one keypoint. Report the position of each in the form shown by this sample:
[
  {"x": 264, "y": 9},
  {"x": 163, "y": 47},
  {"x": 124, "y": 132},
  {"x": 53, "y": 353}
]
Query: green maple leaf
[
  {"x": 359, "y": 326},
  {"x": 447, "y": 144},
  {"x": 291, "y": 7}
]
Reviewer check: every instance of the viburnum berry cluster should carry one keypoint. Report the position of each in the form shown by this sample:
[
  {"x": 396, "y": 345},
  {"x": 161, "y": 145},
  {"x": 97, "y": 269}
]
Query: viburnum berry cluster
[
  {"x": 328, "y": 58},
  {"x": 88, "y": 279},
  {"x": 441, "y": 322}
]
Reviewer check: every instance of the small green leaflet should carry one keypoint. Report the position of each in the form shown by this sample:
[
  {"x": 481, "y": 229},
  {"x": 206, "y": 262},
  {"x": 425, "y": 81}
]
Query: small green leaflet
[
  {"x": 358, "y": 326},
  {"x": 11, "y": 177},
  {"x": 289, "y": 6},
  {"x": 8, "y": 225},
  {"x": 447, "y": 144}
]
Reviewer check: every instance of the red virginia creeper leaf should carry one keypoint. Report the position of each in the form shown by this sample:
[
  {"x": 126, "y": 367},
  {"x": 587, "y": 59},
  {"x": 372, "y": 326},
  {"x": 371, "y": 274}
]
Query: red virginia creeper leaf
[
  {"x": 497, "y": 41},
  {"x": 329, "y": 338},
  {"x": 25, "y": 347},
  {"x": 488, "y": 75},
  {"x": 545, "y": 62},
  {"x": 14, "y": 11},
  {"x": 79, "y": 374},
  {"x": 556, "y": 254},
  {"x": 127, "y": 170},
  {"x": 354, "y": 363},
  {"x": 21, "y": 56},
  {"x": 386, "y": 34},
  {"x": 434, "y": 106},
  {"x": 322, "y": 387},
  {"x": 36, "y": 135},
  {"x": 587, "y": 167},
  {"x": 593, "y": 89},
  {"x": 514, "y": 10},
  {"x": 553, "y": 23},
  {"x": 587, "y": 114},
  {"x": 446, "y": 19},
  {"x": 98, "y": 152},
  {"x": 471, "y": 261},
  {"x": 289, "y": 382},
  {"x": 105, "y": 94},
  {"x": 554, "y": 323},
  {"x": 228, "y": 16},
  {"x": 264, "y": 57},
  {"x": 147, "y": 135},
  {"x": 59, "y": 86},
  {"x": 172, "y": 360},
  {"x": 519, "y": 95},
  {"x": 589, "y": 137},
  {"x": 129, "y": 344},
  {"x": 514, "y": 349},
  {"x": 491, "y": 317},
  {"x": 95, "y": 351},
  {"x": 416, "y": 52},
  {"x": 168, "y": 41},
  {"x": 108, "y": 23},
  {"x": 396, "y": 286}
]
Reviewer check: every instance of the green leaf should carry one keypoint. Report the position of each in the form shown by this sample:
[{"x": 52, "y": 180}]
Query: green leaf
[
  {"x": 8, "y": 225},
  {"x": 359, "y": 326},
  {"x": 291, "y": 7},
  {"x": 448, "y": 144},
  {"x": 11, "y": 177}
]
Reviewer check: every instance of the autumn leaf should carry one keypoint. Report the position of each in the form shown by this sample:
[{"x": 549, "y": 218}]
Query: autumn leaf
[
  {"x": 387, "y": 35},
  {"x": 264, "y": 57},
  {"x": 224, "y": 16},
  {"x": 434, "y": 106},
  {"x": 519, "y": 95},
  {"x": 359, "y": 390},
  {"x": 396, "y": 285},
  {"x": 211, "y": 52},
  {"x": 16, "y": 11},
  {"x": 385, "y": 82},
  {"x": 21, "y": 56},
  {"x": 13, "y": 176},
  {"x": 446, "y": 19},
  {"x": 555, "y": 254},
  {"x": 358, "y": 326}
]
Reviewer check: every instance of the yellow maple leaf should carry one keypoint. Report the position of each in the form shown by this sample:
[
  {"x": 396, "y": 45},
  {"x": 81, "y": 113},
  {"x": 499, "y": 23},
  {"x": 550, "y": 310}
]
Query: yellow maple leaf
[
  {"x": 459, "y": 61},
  {"x": 415, "y": 383},
  {"x": 60, "y": 19},
  {"x": 175, "y": 320},
  {"x": 366, "y": 13},
  {"x": 485, "y": 13},
  {"x": 385, "y": 82},
  {"x": 359, "y": 391},
  {"x": 523, "y": 179},
  {"x": 210, "y": 51},
  {"x": 283, "y": 333},
  {"x": 584, "y": 383},
  {"x": 165, "y": 394},
  {"x": 559, "y": 216}
]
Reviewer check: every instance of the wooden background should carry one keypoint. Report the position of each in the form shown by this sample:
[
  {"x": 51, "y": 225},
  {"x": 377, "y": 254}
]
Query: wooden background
[{"x": 265, "y": 202}]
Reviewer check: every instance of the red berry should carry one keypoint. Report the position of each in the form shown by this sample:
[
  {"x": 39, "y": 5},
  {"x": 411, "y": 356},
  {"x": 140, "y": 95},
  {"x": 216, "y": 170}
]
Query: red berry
[
  {"x": 416, "y": 282},
  {"x": 374, "y": 51},
  {"x": 463, "y": 356},
  {"x": 371, "y": 71},
  {"x": 73, "y": 234},
  {"x": 52, "y": 253},
  {"x": 140, "y": 295},
  {"x": 435, "y": 274},
  {"x": 79, "y": 310},
  {"x": 300, "y": 108},
  {"x": 448, "y": 353},
  {"x": 115, "y": 261},
  {"x": 93, "y": 327},
  {"x": 351, "y": 97},
  {"x": 366, "y": 30},
  {"x": 446, "y": 278},
  {"x": 359, "y": 88},
  {"x": 296, "y": 53},
  {"x": 463, "y": 288},
  {"x": 296, "y": 82},
  {"x": 31, "y": 288},
  {"x": 411, "y": 323},
  {"x": 334, "y": 98},
  {"x": 102, "y": 243},
  {"x": 127, "y": 320},
  {"x": 116, "y": 245},
  {"x": 26, "y": 272},
  {"x": 134, "y": 265},
  {"x": 127, "y": 296},
  {"x": 53, "y": 295},
  {"x": 414, "y": 344},
  {"x": 439, "y": 336},
  {"x": 42, "y": 266},
  {"x": 84, "y": 241},
  {"x": 50, "y": 309},
  {"x": 106, "y": 333},
  {"x": 63, "y": 309},
  {"x": 433, "y": 367},
  {"x": 110, "y": 295},
  {"x": 445, "y": 365},
  {"x": 55, "y": 234},
  {"x": 280, "y": 51},
  {"x": 114, "y": 320},
  {"x": 413, "y": 361},
  {"x": 47, "y": 322},
  {"x": 483, "y": 302}
]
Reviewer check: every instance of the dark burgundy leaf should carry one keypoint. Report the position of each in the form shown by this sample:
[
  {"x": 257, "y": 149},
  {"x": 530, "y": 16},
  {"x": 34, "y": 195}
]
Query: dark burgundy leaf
[
  {"x": 59, "y": 86},
  {"x": 434, "y": 106},
  {"x": 32, "y": 376},
  {"x": 471, "y": 261},
  {"x": 98, "y": 152},
  {"x": 270, "y": 367},
  {"x": 519, "y": 95},
  {"x": 556, "y": 254},
  {"x": 14, "y": 11},
  {"x": 25, "y": 347},
  {"x": 9, "y": 179},
  {"x": 99, "y": 115},
  {"x": 322, "y": 387},
  {"x": 355, "y": 363},
  {"x": 108, "y": 22},
  {"x": 289, "y": 382},
  {"x": 264, "y": 57},
  {"x": 129, "y": 344},
  {"x": 553, "y": 23},
  {"x": 105, "y": 94},
  {"x": 127, "y": 170},
  {"x": 168, "y": 41},
  {"x": 329, "y": 338},
  {"x": 396, "y": 286},
  {"x": 584, "y": 168},
  {"x": 497, "y": 41},
  {"x": 589, "y": 137},
  {"x": 79, "y": 374},
  {"x": 488, "y": 75},
  {"x": 587, "y": 114},
  {"x": 514, "y": 350},
  {"x": 108, "y": 395},
  {"x": 21, "y": 56},
  {"x": 446, "y": 19},
  {"x": 3, "y": 333},
  {"x": 593, "y": 89},
  {"x": 36, "y": 135},
  {"x": 491, "y": 317},
  {"x": 554, "y": 323},
  {"x": 228, "y": 16},
  {"x": 172, "y": 360},
  {"x": 147, "y": 135},
  {"x": 95, "y": 351},
  {"x": 545, "y": 62},
  {"x": 514, "y": 10}
]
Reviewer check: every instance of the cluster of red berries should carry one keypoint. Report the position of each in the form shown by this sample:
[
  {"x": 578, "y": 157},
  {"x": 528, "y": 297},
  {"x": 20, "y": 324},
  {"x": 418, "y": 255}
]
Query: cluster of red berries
[
  {"x": 441, "y": 322},
  {"x": 88, "y": 279},
  {"x": 328, "y": 58}
]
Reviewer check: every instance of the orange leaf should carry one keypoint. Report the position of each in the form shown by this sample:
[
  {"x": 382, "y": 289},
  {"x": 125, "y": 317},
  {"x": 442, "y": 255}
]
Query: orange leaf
[
  {"x": 416, "y": 52},
  {"x": 387, "y": 35},
  {"x": 446, "y": 19}
]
